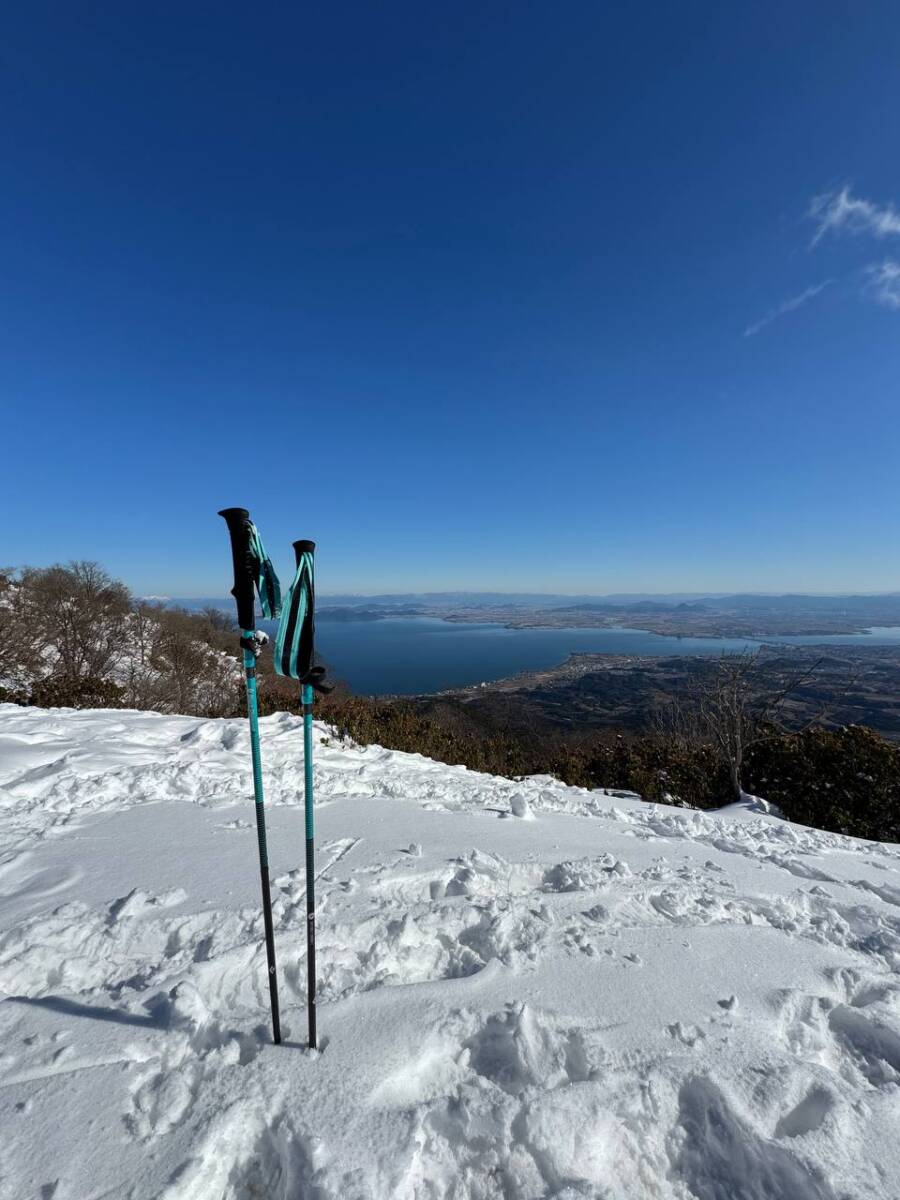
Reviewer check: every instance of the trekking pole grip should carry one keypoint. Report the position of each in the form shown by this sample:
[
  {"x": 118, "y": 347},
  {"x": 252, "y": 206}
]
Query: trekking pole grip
[
  {"x": 303, "y": 547},
  {"x": 238, "y": 522}
]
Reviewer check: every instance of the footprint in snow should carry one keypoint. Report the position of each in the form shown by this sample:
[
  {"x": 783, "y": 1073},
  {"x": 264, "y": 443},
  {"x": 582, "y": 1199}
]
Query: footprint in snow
[
  {"x": 808, "y": 1115},
  {"x": 688, "y": 1035},
  {"x": 719, "y": 1155}
]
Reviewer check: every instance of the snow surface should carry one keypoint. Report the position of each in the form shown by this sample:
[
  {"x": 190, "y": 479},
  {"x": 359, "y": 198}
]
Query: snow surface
[{"x": 593, "y": 998}]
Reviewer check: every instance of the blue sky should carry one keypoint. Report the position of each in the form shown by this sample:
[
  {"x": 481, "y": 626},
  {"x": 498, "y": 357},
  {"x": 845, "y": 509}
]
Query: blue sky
[{"x": 579, "y": 297}]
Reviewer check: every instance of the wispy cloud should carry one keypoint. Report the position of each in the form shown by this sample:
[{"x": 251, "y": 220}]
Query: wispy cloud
[
  {"x": 883, "y": 282},
  {"x": 836, "y": 212},
  {"x": 788, "y": 306}
]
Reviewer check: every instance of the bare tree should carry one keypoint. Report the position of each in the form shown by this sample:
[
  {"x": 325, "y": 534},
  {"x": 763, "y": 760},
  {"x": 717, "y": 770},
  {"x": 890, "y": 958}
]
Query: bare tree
[
  {"x": 733, "y": 706},
  {"x": 66, "y": 630},
  {"x": 78, "y": 614},
  {"x": 195, "y": 677},
  {"x": 20, "y": 643},
  {"x": 677, "y": 721},
  {"x": 218, "y": 619},
  {"x": 140, "y": 675}
]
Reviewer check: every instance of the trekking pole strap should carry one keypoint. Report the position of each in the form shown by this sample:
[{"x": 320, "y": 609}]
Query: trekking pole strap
[{"x": 295, "y": 642}]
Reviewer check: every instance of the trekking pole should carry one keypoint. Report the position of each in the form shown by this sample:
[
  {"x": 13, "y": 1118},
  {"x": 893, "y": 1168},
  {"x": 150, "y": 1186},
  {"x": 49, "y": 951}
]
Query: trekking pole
[
  {"x": 294, "y": 654},
  {"x": 253, "y": 570},
  {"x": 306, "y": 695}
]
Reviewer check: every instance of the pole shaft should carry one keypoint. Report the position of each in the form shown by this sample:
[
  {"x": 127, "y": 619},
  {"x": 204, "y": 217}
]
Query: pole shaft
[
  {"x": 253, "y": 714},
  {"x": 306, "y": 696}
]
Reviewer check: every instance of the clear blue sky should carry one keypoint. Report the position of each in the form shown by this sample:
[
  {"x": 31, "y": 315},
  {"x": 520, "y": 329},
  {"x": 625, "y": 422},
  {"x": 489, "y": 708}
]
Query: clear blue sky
[{"x": 477, "y": 295}]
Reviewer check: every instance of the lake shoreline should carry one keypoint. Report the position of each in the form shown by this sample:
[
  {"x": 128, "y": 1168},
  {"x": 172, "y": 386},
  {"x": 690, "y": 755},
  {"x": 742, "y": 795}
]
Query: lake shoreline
[{"x": 428, "y": 655}]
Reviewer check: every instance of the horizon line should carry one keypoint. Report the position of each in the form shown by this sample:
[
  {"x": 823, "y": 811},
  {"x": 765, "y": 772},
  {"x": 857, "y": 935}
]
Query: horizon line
[{"x": 717, "y": 593}]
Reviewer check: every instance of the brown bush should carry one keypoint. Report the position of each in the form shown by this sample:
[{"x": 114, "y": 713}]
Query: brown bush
[
  {"x": 846, "y": 780},
  {"x": 63, "y": 692}
]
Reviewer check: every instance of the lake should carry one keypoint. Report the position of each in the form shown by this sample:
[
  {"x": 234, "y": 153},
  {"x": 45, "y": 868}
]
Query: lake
[{"x": 410, "y": 655}]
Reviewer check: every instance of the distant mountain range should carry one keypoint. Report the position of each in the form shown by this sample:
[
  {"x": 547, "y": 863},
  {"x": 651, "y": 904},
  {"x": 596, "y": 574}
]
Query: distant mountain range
[
  {"x": 739, "y": 614},
  {"x": 529, "y": 600},
  {"x": 686, "y": 602},
  {"x": 418, "y": 600}
]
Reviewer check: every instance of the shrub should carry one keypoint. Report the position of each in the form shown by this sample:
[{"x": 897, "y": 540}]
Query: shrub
[
  {"x": 660, "y": 769},
  {"x": 79, "y": 692},
  {"x": 846, "y": 780},
  {"x": 398, "y": 726}
]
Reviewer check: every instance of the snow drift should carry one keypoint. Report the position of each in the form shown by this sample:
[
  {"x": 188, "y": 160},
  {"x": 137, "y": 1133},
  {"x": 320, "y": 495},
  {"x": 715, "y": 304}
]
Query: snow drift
[{"x": 604, "y": 999}]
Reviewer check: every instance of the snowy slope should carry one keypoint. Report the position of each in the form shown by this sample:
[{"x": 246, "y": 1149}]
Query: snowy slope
[{"x": 609, "y": 999}]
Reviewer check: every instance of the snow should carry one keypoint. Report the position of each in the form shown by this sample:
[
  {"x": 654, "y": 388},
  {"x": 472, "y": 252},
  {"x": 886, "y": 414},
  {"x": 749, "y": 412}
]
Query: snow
[{"x": 609, "y": 999}]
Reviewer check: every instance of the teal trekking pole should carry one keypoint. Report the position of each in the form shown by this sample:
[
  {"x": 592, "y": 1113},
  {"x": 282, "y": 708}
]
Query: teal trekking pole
[
  {"x": 294, "y": 656},
  {"x": 254, "y": 572},
  {"x": 306, "y": 696}
]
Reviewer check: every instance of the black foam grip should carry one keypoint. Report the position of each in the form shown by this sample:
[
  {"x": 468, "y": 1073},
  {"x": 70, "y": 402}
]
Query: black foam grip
[
  {"x": 238, "y": 521},
  {"x": 303, "y": 547}
]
